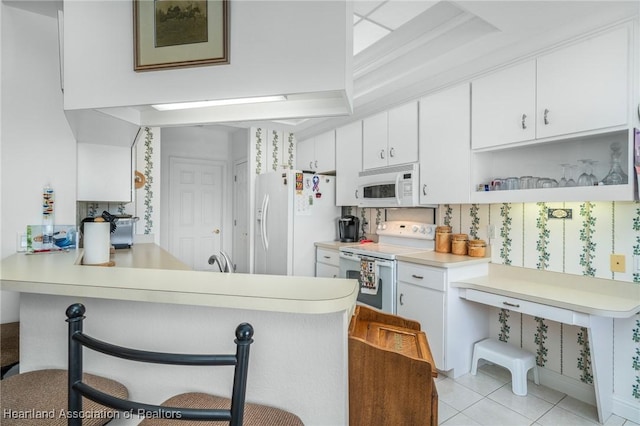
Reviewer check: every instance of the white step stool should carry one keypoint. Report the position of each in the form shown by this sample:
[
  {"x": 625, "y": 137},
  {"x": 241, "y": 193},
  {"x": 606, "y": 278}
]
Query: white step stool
[{"x": 516, "y": 360}]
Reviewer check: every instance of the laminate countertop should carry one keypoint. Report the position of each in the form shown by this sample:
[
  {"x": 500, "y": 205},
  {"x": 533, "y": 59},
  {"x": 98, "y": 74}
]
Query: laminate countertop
[
  {"x": 148, "y": 273},
  {"x": 588, "y": 295},
  {"x": 426, "y": 257}
]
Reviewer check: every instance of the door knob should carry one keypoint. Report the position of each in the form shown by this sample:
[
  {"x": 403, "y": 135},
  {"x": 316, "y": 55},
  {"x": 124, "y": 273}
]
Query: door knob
[{"x": 216, "y": 231}]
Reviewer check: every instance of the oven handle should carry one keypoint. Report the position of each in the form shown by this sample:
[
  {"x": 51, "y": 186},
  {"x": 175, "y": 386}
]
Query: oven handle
[{"x": 359, "y": 257}]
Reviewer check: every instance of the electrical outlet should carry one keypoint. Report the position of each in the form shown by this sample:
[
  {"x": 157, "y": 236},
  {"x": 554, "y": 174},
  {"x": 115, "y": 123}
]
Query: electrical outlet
[
  {"x": 618, "y": 263},
  {"x": 492, "y": 231}
]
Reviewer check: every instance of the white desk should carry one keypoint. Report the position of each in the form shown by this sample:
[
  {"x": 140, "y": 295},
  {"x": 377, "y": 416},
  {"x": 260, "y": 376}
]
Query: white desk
[{"x": 570, "y": 299}]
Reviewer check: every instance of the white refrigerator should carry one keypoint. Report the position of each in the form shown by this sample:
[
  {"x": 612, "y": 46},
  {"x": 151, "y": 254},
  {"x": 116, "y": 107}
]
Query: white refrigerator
[{"x": 293, "y": 211}]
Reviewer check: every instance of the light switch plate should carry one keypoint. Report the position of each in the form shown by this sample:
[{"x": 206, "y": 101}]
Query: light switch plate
[{"x": 618, "y": 263}]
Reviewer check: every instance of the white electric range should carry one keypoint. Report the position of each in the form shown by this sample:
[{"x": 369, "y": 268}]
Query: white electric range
[{"x": 374, "y": 265}]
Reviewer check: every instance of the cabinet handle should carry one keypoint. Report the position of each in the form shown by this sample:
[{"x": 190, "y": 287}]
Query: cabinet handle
[
  {"x": 316, "y": 163},
  {"x": 511, "y": 304},
  {"x": 418, "y": 277},
  {"x": 401, "y": 302},
  {"x": 327, "y": 257},
  {"x": 392, "y": 152},
  {"x": 424, "y": 189},
  {"x": 310, "y": 165},
  {"x": 524, "y": 125},
  {"x": 546, "y": 116},
  {"x": 382, "y": 154},
  {"x": 356, "y": 194}
]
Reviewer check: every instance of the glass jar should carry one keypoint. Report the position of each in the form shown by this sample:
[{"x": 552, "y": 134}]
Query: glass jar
[{"x": 616, "y": 175}]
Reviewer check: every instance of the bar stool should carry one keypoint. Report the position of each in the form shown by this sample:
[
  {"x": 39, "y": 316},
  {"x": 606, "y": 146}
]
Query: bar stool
[
  {"x": 39, "y": 398},
  {"x": 9, "y": 346}
]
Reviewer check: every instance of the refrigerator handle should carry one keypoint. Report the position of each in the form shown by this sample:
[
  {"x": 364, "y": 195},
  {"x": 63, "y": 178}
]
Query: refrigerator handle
[{"x": 265, "y": 209}]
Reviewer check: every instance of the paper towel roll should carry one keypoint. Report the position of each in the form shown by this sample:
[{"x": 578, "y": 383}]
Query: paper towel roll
[{"x": 97, "y": 243}]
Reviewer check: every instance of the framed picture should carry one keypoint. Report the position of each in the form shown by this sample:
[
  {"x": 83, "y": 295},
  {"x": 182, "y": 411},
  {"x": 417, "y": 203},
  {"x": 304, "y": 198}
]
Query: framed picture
[{"x": 180, "y": 33}]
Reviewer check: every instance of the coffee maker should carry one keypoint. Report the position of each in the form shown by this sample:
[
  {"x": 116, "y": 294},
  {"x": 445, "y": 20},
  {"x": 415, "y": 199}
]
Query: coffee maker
[{"x": 348, "y": 227}]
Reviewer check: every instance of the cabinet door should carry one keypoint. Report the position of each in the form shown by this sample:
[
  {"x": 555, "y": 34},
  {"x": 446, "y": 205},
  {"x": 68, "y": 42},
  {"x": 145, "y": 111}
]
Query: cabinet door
[
  {"x": 503, "y": 106},
  {"x": 374, "y": 141},
  {"x": 585, "y": 86},
  {"x": 348, "y": 163},
  {"x": 427, "y": 307},
  {"x": 325, "y": 152},
  {"x": 327, "y": 271},
  {"x": 445, "y": 147},
  {"x": 403, "y": 134},
  {"x": 104, "y": 173},
  {"x": 305, "y": 155}
]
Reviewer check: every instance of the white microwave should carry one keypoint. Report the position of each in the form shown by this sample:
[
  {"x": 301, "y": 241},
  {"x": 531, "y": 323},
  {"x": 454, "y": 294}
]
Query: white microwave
[{"x": 395, "y": 186}]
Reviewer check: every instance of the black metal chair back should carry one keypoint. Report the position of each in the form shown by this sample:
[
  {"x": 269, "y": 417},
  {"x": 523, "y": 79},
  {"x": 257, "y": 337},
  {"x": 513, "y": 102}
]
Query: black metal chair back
[{"x": 77, "y": 388}]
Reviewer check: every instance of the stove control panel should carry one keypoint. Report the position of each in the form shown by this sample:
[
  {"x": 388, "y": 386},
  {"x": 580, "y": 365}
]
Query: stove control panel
[{"x": 423, "y": 231}]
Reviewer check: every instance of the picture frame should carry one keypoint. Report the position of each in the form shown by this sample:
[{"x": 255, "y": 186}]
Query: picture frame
[{"x": 172, "y": 34}]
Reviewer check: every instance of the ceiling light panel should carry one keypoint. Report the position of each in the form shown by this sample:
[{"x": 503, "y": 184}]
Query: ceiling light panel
[
  {"x": 395, "y": 13},
  {"x": 365, "y": 33}
]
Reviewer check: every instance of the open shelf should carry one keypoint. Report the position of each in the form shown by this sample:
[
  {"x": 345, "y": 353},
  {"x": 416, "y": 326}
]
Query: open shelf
[{"x": 545, "y": 160}]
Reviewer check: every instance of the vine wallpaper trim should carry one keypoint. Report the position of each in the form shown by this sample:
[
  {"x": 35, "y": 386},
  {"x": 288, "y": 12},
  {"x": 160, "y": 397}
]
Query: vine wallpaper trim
[
  {"x": 148, "y": 175},
  {"x": 258, "y": 147}
]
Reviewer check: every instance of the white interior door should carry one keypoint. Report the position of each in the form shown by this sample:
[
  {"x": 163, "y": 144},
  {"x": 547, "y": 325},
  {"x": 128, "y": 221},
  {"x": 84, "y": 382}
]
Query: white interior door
[
  {"x": 196, "y": 214},
  {"x": 240, "y": 254}
]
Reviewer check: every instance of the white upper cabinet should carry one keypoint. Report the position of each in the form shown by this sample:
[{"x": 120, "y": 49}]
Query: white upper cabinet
[
  {"x": 374, "y": 141},
  {"x": 348, "y": 163},
  {"x": 403, "y": 134},
  {"x": 391, "y": 137},
  {"x": 445, "y": 147},
  {"x": 504, "y": 106},
  {"x": 104, "y": 173},
  {"x": 584, "y": 86},
  {"x": 580, "y": 88},
  {"x": 306, "y": 154},
  {"x": 317, "y": 154}
]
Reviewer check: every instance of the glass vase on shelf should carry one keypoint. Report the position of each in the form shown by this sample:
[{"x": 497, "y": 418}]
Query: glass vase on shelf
[{"x": 616, "y": 175}]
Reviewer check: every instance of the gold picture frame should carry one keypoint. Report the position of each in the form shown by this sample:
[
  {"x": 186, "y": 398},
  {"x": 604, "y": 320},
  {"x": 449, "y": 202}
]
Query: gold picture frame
[{"x": 180, "y": 33}]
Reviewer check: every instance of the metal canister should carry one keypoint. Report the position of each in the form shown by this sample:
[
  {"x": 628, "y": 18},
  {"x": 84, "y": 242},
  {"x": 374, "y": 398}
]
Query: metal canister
[
  {"x": 459, "y": 243},
  {"x": 443, "y": 239}
]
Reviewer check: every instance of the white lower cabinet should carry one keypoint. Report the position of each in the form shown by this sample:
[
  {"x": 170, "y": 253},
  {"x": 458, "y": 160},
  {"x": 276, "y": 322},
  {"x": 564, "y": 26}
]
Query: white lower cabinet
[
  {"x": 327, "y": 263},
  {"x": 451, "y": 324}
]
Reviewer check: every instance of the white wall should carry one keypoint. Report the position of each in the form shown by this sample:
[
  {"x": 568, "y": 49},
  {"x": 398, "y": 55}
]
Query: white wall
[
  {"x": 208, "y": 143},
  {"x": 37, "y": 144},
  {"x": 300, "y": 46}
]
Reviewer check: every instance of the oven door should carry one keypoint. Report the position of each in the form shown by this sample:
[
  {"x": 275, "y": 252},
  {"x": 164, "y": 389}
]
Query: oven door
[{"x": 376, "y": 278}]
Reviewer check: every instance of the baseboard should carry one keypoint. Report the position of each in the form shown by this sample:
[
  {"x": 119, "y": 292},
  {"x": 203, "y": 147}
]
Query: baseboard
[
  {"x": 626, "y": 409},
  {"x": 565, "y": 384}
]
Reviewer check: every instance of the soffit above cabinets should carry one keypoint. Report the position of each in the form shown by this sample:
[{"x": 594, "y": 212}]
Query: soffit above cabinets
[{"x": 448, "y": 42}]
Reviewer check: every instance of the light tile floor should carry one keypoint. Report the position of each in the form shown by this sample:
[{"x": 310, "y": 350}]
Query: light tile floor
[{"x": 486, "y": 399}]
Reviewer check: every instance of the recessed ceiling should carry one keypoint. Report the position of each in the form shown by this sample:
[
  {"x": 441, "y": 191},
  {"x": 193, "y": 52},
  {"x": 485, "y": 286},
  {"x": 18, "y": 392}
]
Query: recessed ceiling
[{"x": 373, "y": 20}]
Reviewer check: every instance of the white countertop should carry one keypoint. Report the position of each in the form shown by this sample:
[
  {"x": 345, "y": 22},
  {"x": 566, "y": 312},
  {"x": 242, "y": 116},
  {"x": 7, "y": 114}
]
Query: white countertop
[
  {"x": 428, "y": 257},
  {"x": 594, "y": 296},
  {"x": 334, "y": 245},
  {"x": 441, "y": 260},
  {"x": 150, "y": 274}
]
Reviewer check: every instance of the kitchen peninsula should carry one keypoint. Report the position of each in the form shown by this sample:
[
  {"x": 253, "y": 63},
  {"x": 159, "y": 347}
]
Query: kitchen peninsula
[{"x": 151, "y": 300}]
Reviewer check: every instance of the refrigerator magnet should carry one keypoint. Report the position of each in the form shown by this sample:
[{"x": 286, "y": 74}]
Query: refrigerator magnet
[{"x": 316, "y": 183}]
